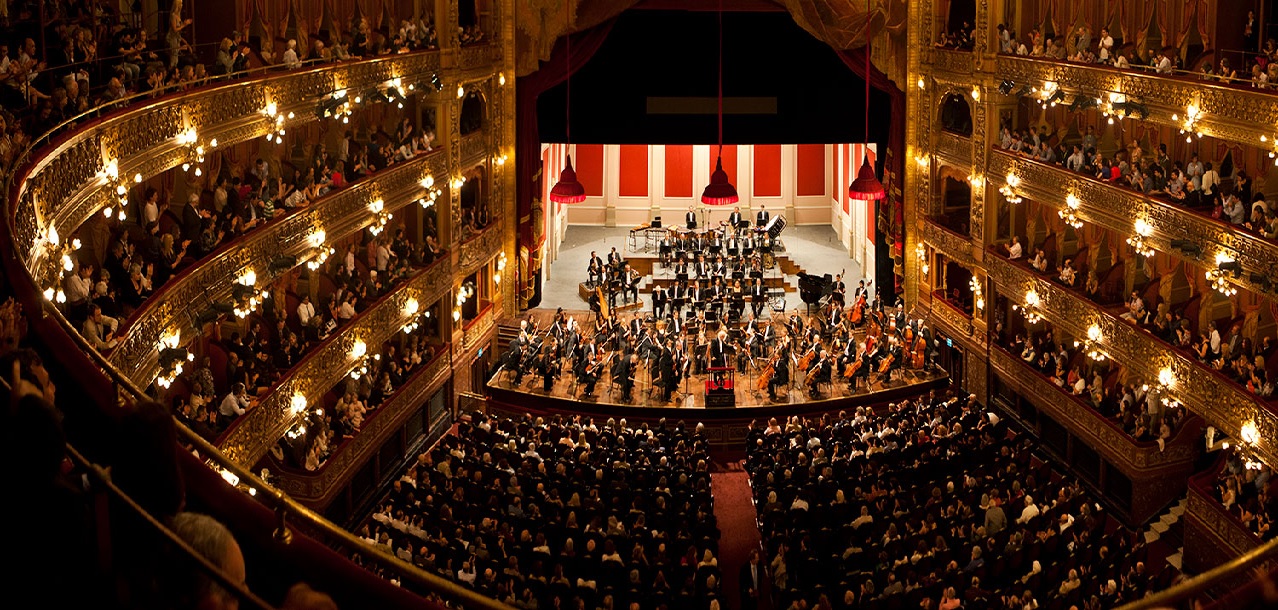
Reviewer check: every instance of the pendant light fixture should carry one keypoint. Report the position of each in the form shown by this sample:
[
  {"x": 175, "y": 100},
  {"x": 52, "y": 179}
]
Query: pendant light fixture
[
  {"x": 720, "y": 191},
  {"x": 866, "y": 187},
  {"x": 568, "y": 189}
]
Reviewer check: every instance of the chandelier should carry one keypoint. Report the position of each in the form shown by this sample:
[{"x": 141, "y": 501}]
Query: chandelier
[
  {"x": 1009, "y": 189},
  {"x": 1031, "y": 306},
  {"x": 1137, "y": 241},
  {"x": 1069, "y": 213}
]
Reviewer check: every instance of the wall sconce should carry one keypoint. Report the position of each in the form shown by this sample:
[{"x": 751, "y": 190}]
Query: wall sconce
[
  {"x": 922, "y": 83},
  {"x": 456, "y": 314},
  {"x": 297, "y": 404},
  {"x": 1250, "y": 437},
  {"x": 1092, "y": 343},
  {"x": 245, "y": 296},
  {"x": 316, "y": 240},
  {"x": 171, "y": 338},
  {"x": 432, "y": 193},
  {"x": 1030, "y": 309},
  {"x": 976, "y": 93},
  {"x": 276, "y": 133},
  {"x": 457, "y": 183},
  {"x": 500, "y": 161},
  {"x": 1009, "y": 189},
  {"x": 976, "y": 180},
  {"x": 923, "y": 159},
  {"x": 119, "y": 188},
  {"x": 1166, "y": 378},
  {"x": 1189, "y": 122},
  {"x": 410, "y": 309},
  {"x": 501, "y": 79},
  {"x": 381, "y": 216},
  {"x": 1219, "y": 276},
  {"x": 1137, "y": 241},
  {"x": 1069, "y": 212},
  {"x": 978, "y": 296},
  {"x": 501, "y": 261},
  {"x": 461, "y": 92}
]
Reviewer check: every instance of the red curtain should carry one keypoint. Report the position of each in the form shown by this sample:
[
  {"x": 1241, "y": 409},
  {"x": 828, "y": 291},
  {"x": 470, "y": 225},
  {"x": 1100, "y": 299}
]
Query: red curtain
[
  {"x": 527, "y": 139},
  {"x": 891, "y": 164}
]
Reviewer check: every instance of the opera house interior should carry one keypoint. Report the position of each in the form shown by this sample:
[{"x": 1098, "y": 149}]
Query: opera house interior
[{"x": 701, "y": 304}]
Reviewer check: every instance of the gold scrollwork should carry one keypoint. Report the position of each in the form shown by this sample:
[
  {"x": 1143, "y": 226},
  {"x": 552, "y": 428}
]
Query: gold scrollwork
[
  {"x": 956, "y": 62},
  {"x": 1200, "y": 389},
  {"x": 954, "y": 246},
  {"x": 956, "y": 149},
  {"x": 479, "y": 250},
  {"x": 256, "y": 431}
]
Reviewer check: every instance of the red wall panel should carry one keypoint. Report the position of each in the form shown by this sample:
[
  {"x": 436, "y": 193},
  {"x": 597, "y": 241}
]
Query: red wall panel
[
  {"x": 633, "y": 181},
  {"x": 767, "y": 170},
  {"x": 678, "y": 170},
  {"x": 589, "y": 164},
  {"x": 729, "y": 162},
  {"x": 810, "y": 175}
]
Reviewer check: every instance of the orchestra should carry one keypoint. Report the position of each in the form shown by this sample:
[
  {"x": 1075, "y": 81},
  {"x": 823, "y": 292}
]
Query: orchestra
[{"x": 855, "y": 345}]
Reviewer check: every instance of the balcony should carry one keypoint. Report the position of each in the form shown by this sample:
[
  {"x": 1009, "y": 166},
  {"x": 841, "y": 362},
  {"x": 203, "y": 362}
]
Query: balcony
[
  {"x": 1203, "y": 390},
  {"x": 1117, "y": 209},
  {"x": 1229, "y": 112},
  {"x": 479, "y": 249},
  {"x": 178, "y": 304},
  {"x": 252, "y": 435},
  {"x": 954, "y": 149},
  {"x": 954, "y": 61},
  {"x": 479, "y": 56},
  {"x": 954, "y": 246},
  {"x": 1213, "y": 535},
  {"x": 473, "y": 146},
  {"x": 61, "y": 186},
  {"x": 1154, "y": 473},
  {"x": 319, "y": 488}
]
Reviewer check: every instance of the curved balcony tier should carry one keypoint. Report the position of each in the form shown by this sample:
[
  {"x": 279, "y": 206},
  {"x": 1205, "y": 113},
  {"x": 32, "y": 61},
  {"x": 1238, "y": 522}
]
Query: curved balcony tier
[
  {"x": 251, "y": 436},
  {"x": 64, "y": 184},
  {"x": 1117, "y": 209},
  {"x": 1201, "y": 389}
]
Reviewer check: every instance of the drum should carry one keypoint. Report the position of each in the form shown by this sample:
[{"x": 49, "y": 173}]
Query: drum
[{"x": 775, "y": 226}]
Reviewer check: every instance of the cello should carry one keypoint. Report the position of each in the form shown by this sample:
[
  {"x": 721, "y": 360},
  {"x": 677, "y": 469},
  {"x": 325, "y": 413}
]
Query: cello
[
  {"x": 856, "y": 315},
  {"x": 768, "y": 372},
  {"x": 887, "y": 360}
]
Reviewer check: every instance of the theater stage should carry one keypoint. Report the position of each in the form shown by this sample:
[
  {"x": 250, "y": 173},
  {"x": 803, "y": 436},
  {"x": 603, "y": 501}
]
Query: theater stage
[{"x": 809, "y": 248}]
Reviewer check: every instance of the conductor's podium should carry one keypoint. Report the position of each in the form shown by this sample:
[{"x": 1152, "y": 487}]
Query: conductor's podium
[{"x": 720, "y": 387}]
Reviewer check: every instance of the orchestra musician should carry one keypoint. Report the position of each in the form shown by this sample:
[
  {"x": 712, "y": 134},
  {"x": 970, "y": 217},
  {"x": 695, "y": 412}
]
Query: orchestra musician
[
  {"x": 838, "y": 291},
  {"x": 625, "y": 375},
  {"x": 818, "y": 371},
  {"x": 665, "y": 378},
  {"x": 548, "y": 368},
  {"x": 596, "y": 269},
  {"x": 513, "y": 361},
  {"x": 734, "y": 219},
  {"x": 659, "y": 299},
  {"x": 762, "y": 218},
  {"x": 691, "y": 218},
  {"x": 630, "y": 284}
]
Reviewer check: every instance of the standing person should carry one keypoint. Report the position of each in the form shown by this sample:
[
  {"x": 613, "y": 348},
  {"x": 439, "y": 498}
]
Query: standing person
[
  {"x": 762, "y": 217},
  {"x": 751, "y": 579},
  {"x": 690, "y": 219}
]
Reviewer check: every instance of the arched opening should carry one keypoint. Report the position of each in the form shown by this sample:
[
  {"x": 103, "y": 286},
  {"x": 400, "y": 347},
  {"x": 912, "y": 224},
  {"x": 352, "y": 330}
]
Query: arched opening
[
  {"x": 961, "y": 17},
  {"x": 956, "y": 203},
  {"x": 475, "y": 214},
  {"x": 956, "y": 115},
  {"x": 472, "y": 113}
]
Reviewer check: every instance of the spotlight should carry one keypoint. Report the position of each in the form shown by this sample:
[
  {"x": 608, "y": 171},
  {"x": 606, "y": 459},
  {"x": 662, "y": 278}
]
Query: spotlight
[
  {"x": 1024, "y": 91},
  {"x": 1261, "y": 280},
  {"x": 1233, "y": 267},
  {"x": 1005, "y": 87},
  {"x": 1186, "y": 246}
]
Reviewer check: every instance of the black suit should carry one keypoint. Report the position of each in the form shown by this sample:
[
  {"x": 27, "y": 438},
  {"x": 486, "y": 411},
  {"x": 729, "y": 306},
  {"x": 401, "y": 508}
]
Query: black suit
[
  {"x": 691, "y": 219},
  {"x": 762, "y": 218},
  {"x": 734, "y": 219},
  {"x": 719, "y": 352},
  {"x": 751, "y": 580},
  {"x": 192, "y": 224}
]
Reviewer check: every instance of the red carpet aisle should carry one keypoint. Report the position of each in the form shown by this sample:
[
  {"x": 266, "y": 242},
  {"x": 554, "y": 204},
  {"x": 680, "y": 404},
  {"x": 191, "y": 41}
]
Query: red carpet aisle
[{"x": 734, "y": 510}]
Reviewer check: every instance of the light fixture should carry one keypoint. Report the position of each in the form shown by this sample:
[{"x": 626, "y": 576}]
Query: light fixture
[
  {"x": 359, "y": 349},
  {"x": 1092, "y": 343},
  {"x": 461, "y": 91},
  {"x": 116, "y": 187},
  {"x": 976, "y": 180},
  {"x": 922, "y": 83},
  {"x": 1166, "y": 378},
  {"x": 978, "y": 297},
  {"x": 1219, "y": 276},
  {"x": 720, "y": 191},
  {"x": 297, "y": 404},
  {"x": 1030, "y": 309},
  {"x": 432, "y": 193},
  {"x": 501, "y": 79},
  {"x": 1249, "y": 434},
  {"x": 1137, "y": 241},
  {"x": 245, "y": 296},
  {"x": 322, "y": 252},
  {"x": 456, "y": 314},
  {"x": 976, "y": 91},
  {"x": 410, "y": 306},
  {"x": 381, "y": 217},
  {"x": 1189, "y": 123},
  {"x": 1009, "y": 188},
  {"x": 866, "y": 187},
  {"x": 1069, "y": 213},
  {"x": 923, "y": 159}
]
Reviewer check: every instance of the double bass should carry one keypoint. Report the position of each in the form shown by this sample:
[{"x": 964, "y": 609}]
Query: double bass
[
  {"x": 856, "y": 315},
  {"x": 920, "y": 351}
]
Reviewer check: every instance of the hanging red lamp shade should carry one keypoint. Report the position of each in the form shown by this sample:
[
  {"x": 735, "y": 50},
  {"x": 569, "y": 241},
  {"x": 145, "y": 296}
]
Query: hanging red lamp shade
[
  {"x": 866, "y": 187},
  {"x": 568, "y": 190},
  {"x": 720, "y": 191}
]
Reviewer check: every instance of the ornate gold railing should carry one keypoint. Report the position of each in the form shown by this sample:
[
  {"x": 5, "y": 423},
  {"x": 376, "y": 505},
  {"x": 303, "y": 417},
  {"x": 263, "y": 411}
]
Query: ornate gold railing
[
  {"x": 473, "y": 148},
  {"x": 1117, "y": 209},
  {"x": 957, "y": 62},
  {"x": 64, "y": 186},
  {"x": 959, "y": 322},
  {"x": 1199, "y": 388},
  {"x": 178, "y": 304},
  {"x": 479, "y": 249},
  {"x": 956, "y": 247},
  {"x": 1232, "y": 113},
  {"x": 478, "y": 329},
  {"x": 253, "y": 434},
  {"x": 1229, "y": 534},
  {"x": 319, "y": 488},
  {"x": 1135, "y": 458},
  {"x": 478, "y": 56},
  {"x": 954, "y": 149}
]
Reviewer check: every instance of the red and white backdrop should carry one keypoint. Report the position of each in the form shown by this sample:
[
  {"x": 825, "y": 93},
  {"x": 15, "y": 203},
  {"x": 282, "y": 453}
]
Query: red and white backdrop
[{"x": 631, "y": 184}]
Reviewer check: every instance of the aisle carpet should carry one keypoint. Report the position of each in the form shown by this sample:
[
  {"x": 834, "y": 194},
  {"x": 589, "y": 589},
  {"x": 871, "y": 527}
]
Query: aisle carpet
[{"x": 734, "y": 511}]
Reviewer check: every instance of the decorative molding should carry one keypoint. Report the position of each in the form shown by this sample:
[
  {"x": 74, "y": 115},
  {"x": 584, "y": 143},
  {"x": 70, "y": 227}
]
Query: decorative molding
[
  {"x": 1200, "y": 389},
  {"x": 954, "y": 62},
  {"x": 318, "y": 489},
  {"x": 1117, "y": 209},
  {"x": 253, "y": 434},
  {"x": 479, "y": 250},
  {"x": 179, "y": 303},
  {"x": 61, "y": 187},
  {"x": 478, "y": 57},
  {"x": 1118, "y": 447},
  {"x": 473, "y": 149},
  {"x": 1230, "y": 113},
  {"x": 1220, "y": 524},
  {"x": 959, "y": 323},
  {"x": 479, "y": 330},
  {"x": 954, "y": 246},
  {"x": 956, "y": 149}
]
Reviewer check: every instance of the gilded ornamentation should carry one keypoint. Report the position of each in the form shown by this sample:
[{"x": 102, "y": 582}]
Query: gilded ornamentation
[
  {"x": 954, "y": 246},
  {"x": 1117, "y": 209},
  {"x": 61, "y": 188},
  {"x": 183, "y": 300},
  {"x": 1220, "y": 524},
  {"x": 956, "y": 149},
  {"x": 1231, "y": 113},
  {"x": 1203, "y": 391},
  {"x": 256, "y": 431},
  {"x": 958, "y": 322},
  {"x": 473, "y": 148},
  {"x": 319, "y": 488},
  {"x": 1118, "y": 447},
  {"x": 479, "y": 250},
  {"x": 979, "y": 150},
  {"x": 954, "y": 62}
]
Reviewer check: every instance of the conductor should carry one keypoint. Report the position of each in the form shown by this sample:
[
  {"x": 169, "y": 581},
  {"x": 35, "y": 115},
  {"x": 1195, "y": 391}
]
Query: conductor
[{"x": 719, "y": 350}]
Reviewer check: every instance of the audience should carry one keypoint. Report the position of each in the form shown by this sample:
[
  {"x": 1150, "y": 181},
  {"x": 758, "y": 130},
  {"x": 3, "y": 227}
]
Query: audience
[
  {"x": 935, "y": 474},
  {"x": 1248, "y": 494},
  {"x": 560, "y": 513}
]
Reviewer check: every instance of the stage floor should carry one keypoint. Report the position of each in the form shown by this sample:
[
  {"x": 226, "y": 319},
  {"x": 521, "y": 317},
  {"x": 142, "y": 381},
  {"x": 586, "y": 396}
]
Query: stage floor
[
  {"x": 815, "y": 249},
  {"x": 691, "y": 393}
]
